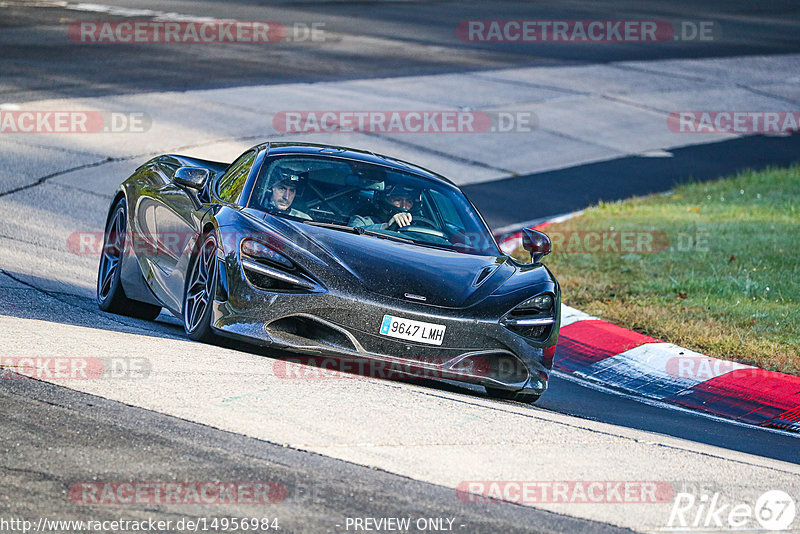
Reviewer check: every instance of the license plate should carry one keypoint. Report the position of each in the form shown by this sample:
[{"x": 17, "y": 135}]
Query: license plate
[{"x": 398, "y": 327}]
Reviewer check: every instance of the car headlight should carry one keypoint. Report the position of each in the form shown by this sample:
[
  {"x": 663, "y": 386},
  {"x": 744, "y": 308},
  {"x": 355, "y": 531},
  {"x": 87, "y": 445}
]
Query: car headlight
[
  {"x": 540, "y": 303},
  {"x": 266, "y": 268},
  {"x": 261, "y": 252},
  {"x": 533, "y": 318}
]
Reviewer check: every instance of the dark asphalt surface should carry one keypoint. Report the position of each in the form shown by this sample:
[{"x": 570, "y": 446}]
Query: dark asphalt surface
[
  {"x": 557, "y": 192},
  {"x": 565, "y": 396},
  {"x": 52, "y": 437},
  {"x": 562, "y": 396},
  {"x": 363, "y": 39}
]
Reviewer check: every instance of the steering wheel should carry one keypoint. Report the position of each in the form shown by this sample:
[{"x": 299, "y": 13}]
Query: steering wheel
[
  {"x": 421, "y": 225},
  {"x": 416, "y": 221},
  {"x": 423, "y": 230}
]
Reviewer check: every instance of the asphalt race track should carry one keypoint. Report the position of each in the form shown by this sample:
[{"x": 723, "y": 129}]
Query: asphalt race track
[
  {"x": 371, "y": 39},
  {"x": 355, "y": 447}
]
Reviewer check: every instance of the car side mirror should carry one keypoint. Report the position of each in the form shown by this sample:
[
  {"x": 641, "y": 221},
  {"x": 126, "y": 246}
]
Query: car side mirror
[
  {"x": 194, "y": 178},
  {"x": 537, "y": 243}
]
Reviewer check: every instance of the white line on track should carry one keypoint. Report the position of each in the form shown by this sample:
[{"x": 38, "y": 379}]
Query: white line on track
[
  {"x": 115, "y": 11},
  {"x": 665, "y": 405}
]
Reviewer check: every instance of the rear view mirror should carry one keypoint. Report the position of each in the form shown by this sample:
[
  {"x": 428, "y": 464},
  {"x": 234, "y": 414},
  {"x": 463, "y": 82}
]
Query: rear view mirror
[
  {"x": 537, "y": 243},
  {"x": 192, "y": 177}
]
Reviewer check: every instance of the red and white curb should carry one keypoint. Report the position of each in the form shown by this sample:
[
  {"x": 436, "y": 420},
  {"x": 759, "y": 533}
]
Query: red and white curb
[
  {"x": 620, "y": 359},
  {"x": 601, "y": 352}
]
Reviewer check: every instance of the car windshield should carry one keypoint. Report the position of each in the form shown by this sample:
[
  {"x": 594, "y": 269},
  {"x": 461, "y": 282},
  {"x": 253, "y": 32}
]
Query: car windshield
[{"x": 373, "y": 200}]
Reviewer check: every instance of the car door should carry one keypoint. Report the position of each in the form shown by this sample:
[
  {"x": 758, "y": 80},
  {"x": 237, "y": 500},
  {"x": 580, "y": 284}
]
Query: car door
[{"x": 178, "y": 219}]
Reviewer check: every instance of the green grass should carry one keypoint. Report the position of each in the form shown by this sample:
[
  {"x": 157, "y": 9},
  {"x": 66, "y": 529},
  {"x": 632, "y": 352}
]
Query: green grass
[{"x": 727, "y": 284}]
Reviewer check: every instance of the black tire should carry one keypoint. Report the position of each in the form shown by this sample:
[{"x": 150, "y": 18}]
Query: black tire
[
  {"x": 110, "y": 294},
  {"x": 518, "y": 396},
  {"x": 201, "y": 285}
]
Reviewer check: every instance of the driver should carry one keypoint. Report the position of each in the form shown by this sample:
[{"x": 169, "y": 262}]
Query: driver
[
  {"x": 286, "y": 183},
  {"x": 395, "y": 207}
]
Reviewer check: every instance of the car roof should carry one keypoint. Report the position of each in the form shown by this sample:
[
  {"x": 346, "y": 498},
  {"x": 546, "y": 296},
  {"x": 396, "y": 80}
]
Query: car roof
[{"x": 287, "y": 148}]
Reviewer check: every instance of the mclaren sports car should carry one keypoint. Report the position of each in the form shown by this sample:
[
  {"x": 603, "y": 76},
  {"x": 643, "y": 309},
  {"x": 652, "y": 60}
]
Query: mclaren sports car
[{"x": 334, "y": 252}]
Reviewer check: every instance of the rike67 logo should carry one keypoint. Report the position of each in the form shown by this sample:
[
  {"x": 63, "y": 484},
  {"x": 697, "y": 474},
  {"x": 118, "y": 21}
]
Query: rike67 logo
[{"x": 774, "y": 510}]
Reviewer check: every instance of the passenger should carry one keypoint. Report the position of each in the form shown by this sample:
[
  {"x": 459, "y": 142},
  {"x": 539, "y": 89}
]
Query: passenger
[
  {"x": 394, "y": 206},
  {"x": 286, "y": 184}
]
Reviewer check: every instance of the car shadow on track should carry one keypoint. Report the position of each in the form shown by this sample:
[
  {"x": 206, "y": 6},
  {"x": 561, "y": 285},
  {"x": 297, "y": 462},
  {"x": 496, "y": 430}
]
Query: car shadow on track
[
  {"x": 21, "y": 297},
  {"x": 28, "y": 298}
]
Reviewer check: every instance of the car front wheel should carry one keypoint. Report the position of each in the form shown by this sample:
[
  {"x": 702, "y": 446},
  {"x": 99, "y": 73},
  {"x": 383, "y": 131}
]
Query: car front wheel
[{"x": 201, "y": 283}]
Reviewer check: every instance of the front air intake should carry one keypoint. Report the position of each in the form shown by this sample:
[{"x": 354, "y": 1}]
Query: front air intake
[{"x": 304, "y": 331}]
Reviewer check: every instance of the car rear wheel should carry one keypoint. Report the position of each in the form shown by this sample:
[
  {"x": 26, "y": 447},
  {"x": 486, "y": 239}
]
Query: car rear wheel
[
  {"x": 201, "y": 284},
  {"x": 519, "y": 396},
  {"x": 110, "y": 294}
]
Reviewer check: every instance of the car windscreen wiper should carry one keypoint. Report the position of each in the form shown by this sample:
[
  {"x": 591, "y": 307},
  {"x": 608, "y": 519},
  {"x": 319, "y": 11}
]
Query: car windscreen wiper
[
  {"x": 389, "y": 236},
  {"x": 334, "y": 226},
  {"x": 360, "y": 230},
  {"x": 434, "y": 245},
  {"x": 284, "y": 215}
]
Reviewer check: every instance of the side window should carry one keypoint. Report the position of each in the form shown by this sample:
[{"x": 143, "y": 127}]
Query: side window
[
  {"x": 446, "y": 209},
  {"x": 231, "y": 184}
]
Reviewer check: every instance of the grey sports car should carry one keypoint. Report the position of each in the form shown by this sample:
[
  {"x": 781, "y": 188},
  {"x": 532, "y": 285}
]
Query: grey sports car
[{"x": 335, "y": 252}]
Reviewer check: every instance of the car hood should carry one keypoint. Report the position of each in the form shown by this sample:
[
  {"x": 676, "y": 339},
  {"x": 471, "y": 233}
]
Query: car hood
[{"x": 395, "y": 269}]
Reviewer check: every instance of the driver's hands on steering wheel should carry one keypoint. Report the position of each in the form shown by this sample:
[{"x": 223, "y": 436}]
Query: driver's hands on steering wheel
[{"x": 400, "y": 219}]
